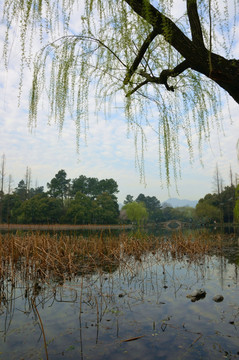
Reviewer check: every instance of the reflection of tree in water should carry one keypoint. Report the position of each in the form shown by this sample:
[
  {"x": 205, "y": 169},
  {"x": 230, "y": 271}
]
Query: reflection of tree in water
[{"x": 106, "y": 283}]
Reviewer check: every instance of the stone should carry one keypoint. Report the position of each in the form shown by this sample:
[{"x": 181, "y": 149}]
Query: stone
[
  {"x": 218, "y": 298},
  {"x": 197, "y": 295}
]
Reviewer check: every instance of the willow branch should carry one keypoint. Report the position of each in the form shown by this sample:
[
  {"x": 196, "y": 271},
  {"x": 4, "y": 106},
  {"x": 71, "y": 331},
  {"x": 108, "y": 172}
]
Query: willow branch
[
  {"x": 163, "y": 25},
  {"x": 162, "y": 78},
  {"x": 195, "y": 24},
  {"x": 136, "y": 88},
  {"x": 140, "y": 55}
]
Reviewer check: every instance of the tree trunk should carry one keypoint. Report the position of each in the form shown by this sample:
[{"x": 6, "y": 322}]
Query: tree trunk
[{"x": 223, "y": 71}]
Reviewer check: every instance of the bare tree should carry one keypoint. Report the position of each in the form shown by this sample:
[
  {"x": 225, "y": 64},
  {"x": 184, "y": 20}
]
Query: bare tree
[
  {"x": 28, "y": 180},
  {"x": 217, "y": 181},
  {"x": 10, "y": 181},
  {"x": 3, "y": 173},
  {"x": 231, "y": 175}
]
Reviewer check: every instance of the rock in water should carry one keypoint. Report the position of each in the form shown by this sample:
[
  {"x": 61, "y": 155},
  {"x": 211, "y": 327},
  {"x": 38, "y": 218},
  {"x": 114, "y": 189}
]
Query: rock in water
[
  {"x": 218, "y": 298},
  {"x": 197, "y": 295}
]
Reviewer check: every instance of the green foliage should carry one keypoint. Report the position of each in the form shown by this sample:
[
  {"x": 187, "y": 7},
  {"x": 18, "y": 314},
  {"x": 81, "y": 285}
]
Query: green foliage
[
  {"x": 236, "y": 208},
  {"x": 153, "y": 207},
  {"x": 59, "y": 185},
  {"x": 21, "y": 190},
  {"x": 10, "y": 207},
  {"x": 80, "y": 201},
  {"x": 107, "y": 209},
  {"x": 136, "y": 212},
  {"x": 128, "y": 199},
  {"x": 79, "y": 210},
  {"x": 40, "y": 210},
  {"x": 86, "y": 210},
  {"x": 185, "y": 213},
  {"x": 224, "y": 202},
  {"x": 93, "y": 187},
  {"x": 208, "y": 213},
  {"x": 98, "y": 55}
]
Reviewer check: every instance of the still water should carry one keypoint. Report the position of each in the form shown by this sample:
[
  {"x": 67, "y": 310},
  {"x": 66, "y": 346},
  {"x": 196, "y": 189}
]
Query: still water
[{"x": 139, "y": 311}]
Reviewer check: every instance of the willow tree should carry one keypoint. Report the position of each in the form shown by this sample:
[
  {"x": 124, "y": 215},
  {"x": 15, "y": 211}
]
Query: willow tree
[{"x": 172, "y": 71}]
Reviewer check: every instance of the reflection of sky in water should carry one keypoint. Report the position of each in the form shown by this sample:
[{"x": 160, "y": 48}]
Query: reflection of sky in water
[{"x": 90, "y": 320}]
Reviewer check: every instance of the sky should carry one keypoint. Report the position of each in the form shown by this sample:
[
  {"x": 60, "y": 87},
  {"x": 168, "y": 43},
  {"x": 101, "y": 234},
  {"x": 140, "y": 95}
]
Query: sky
[{"x": 108, "y": 151}]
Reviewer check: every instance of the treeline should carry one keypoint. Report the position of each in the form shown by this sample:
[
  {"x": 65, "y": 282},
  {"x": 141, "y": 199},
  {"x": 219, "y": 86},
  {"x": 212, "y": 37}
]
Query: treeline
[
  {"x": 134, "y": 210},
  {"x": 219, "y": 206},
  {"x": 88, "y": 200},
  {"x": 83, "y": 200}
]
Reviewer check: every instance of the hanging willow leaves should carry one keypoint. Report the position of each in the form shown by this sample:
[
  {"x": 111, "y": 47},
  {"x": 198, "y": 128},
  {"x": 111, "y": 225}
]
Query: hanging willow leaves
[{"x": 172, "y": 72}]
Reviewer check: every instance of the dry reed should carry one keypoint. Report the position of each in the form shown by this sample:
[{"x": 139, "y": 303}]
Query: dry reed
[{"x": 43, "y": 256}]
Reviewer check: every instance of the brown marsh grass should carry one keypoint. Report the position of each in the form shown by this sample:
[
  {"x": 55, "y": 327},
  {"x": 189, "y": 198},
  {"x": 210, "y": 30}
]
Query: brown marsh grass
[
  {"x": 57, "y": 257},
  {"x": 28, "y": 260}
]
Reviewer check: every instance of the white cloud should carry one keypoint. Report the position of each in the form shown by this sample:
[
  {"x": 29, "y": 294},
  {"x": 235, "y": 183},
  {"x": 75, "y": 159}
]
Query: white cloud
[{"x": 108, "y": 153}]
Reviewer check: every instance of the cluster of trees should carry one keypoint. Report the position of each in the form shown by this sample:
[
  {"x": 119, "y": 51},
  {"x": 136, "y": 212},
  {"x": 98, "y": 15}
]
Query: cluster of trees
[
  {"x": 88, "y": 200},
  {"x": 218, "y": 207},
  {"x": 82, "y": 200},
  {"x": 148, "y": 208}
]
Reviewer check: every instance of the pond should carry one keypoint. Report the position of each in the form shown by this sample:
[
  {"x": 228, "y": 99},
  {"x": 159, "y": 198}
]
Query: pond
[{"x": 139, "y": 309}]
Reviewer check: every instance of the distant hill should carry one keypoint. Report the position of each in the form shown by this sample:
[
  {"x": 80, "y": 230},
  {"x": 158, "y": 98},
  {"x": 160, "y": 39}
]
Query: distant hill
[{"x": 174, "y": 202}]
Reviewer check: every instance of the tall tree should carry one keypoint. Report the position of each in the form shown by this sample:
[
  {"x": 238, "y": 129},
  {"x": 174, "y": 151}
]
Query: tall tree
[
  {"x": 107, "y": 209},
  {"x": 79, "y": 184},
  {"x": 136, "y": 46},
  {"x": 128, "y": 199},
  {"x": 21, "y": 190},
  {"x": 108, "y": 186},
  {"x": 28, "y": 180},
  {"x": 59, "y": 185},
  {"x": 217, "y": 181}
]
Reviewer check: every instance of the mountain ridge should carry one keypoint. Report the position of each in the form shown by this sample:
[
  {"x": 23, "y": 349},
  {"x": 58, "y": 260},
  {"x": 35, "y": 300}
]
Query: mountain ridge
[{"x": 175, "y": 202}]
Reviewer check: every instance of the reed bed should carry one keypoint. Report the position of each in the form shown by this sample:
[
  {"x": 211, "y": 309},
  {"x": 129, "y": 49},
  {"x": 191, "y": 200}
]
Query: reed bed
[
  {"x": 58, "y": 257},
  {"x": 38, "y": 267}
]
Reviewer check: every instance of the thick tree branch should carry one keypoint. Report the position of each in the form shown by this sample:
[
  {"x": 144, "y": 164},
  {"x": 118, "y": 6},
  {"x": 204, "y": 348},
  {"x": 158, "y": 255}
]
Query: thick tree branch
[
  {"x": 162, "y": 79},
  {"x": 195, "y": 24},
  {"x": 140, "y": 55},
  {"x": 166, "y": 27}
]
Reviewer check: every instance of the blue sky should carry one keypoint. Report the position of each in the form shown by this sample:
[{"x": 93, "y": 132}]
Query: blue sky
[{"x": 107, "y": 152}]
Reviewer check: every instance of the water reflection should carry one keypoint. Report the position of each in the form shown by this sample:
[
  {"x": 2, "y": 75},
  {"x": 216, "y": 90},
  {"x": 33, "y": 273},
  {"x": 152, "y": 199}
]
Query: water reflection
[{"x": 138, "y": 310}]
